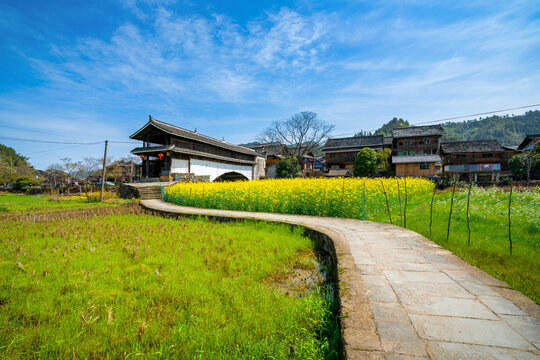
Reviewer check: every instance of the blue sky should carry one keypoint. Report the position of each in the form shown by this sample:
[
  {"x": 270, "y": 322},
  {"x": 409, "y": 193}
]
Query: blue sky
[{"x": 93, "y": 70}]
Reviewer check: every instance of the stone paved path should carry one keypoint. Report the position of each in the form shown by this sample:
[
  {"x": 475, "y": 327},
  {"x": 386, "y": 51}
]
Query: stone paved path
[{"x": 426, "y": 303}]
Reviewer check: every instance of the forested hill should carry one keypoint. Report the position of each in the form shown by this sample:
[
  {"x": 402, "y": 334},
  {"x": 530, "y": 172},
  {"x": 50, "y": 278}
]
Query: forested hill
[
  {"x": 13, "y": 165},
  {"x": 508, "y": 130}
]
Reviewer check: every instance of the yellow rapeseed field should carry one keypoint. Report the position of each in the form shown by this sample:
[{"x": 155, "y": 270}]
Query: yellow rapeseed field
[{"x": 341, "y": 197}]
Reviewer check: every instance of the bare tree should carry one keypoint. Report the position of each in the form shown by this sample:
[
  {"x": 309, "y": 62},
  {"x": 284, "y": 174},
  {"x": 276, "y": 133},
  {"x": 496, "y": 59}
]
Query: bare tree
[
  {"x": 302, "y": 132},
  {"x": 87, "y": 167},
  {"x": 69, "y": 166}
]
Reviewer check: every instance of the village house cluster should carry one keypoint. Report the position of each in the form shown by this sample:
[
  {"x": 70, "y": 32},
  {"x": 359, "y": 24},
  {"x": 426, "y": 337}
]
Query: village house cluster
[{"x": 173, "y": 153}]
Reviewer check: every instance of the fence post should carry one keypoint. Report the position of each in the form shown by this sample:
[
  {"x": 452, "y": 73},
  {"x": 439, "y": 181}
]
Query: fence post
[
  {"x": 190, "y": 196},
  {"x": 431, "y": 210},
  {"x": 203, "y": 198},
  {"x": 387, "y": 206},
  {"x": 234, "y": 198},
  {"x": 405, "y": 207},
  {"x": 451, "y": 207},
  {"x": 399, "y": 197},
  {"x": 342, "y": 196},
  {"x": 468, "y": 224},
  {"x": 365, "y": 205},
  {"x": 509, "y": 219}
]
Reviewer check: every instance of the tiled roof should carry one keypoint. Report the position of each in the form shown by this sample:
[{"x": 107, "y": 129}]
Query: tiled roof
[
  {"x": 471, "y": 146},
  {"x": 529, "y": 139},
  {"x": 270, "y": 149},
  {"x": 351, "y": 143},
  {"x": 173, "y": 148},
  {"x": 414, "y": 131},
  {"x": 415, "y": 159},
  {"x": 178, "y": 131},
  {"x": 388, "y": 140}
]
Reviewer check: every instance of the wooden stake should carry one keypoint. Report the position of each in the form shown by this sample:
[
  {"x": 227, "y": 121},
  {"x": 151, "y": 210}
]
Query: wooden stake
[
  {"x": 387, "y": 206},
  {"x": 405, "y": 207},
  {"x": 468, "y": 224},
  {"x": 451, "y": 207},
  {"x": 431, "y": 210},
  {"x": 399, "y": 197},
  {"x": 103, "y": 172},
  {"x": 342, "y": 196},
  {"x": 509, "y": 219},
  {"x": 365, "y": 204}
]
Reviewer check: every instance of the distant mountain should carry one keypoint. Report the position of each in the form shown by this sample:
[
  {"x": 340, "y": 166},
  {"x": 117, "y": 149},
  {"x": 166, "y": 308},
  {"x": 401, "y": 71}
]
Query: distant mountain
[{"x": 508, "y": 130}]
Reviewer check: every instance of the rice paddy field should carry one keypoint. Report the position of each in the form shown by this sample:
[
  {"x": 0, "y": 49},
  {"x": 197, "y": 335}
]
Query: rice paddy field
[
  {"x": 404, "y": 202},
  {"x": 116, "y": 282},
  {"x": 14, "y": 202}
]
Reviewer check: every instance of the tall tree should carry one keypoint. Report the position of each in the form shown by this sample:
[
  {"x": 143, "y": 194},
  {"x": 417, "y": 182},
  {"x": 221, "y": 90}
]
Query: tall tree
[
  {"x": 302, "y": 133},
  {"x": 365, "y": 163}
]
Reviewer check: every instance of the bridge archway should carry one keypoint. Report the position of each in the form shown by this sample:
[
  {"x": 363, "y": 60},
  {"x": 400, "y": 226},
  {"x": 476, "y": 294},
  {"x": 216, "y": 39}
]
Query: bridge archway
[{"x": 231, "y": 176}]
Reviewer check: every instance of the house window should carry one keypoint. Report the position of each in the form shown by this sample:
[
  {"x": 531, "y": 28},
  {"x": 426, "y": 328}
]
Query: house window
[
  {"x": 400, "y": 143},
  {"x": 407, "y": 153},
  {"x": 461, "y": 156},
  {"x": 424, "y": 166},
  {"x": 406, "y": 142},
  {"x": 487, "y": 155},
  {"x": 426, "y": 141}
]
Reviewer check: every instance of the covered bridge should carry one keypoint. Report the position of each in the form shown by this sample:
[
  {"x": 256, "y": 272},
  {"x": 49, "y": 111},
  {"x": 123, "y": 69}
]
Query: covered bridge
[{"x": 169, "y": 152}]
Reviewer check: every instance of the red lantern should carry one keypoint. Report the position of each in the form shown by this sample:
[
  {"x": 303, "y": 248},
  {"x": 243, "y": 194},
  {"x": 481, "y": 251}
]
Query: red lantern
[
  {"x": 160, "y": 156},
  {"x": 142, "y": 157}
]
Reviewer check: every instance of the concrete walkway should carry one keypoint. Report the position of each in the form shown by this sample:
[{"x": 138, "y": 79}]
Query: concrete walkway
[{"x": 404, "y": 297}]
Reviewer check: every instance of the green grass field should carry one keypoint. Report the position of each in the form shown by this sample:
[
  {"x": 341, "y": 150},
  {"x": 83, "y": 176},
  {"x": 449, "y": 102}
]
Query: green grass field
[
  {"x": 15, "y": 202},
  {"x": 489, "y": 245},
  {"x": 124, "y": 284}
]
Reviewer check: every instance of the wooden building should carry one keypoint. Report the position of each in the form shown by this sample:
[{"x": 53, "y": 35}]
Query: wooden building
[
  {"x": 170, "y": 152},
  {"x": 415, "y": 151},
  {"x": 272, "y": 154},
  {"x": 528, "y": 143},
  {"x": 478, "y": 160},
  {"x": 340, "y": 153}
]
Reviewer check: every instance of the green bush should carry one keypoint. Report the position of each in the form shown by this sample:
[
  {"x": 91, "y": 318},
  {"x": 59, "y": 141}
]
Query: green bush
[
  {"x": 288, "y": 167},
  {"x": 23, "y": 183}
]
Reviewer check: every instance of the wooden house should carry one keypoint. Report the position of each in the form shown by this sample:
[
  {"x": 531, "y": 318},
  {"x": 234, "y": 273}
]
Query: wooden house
[
  {"x": 170, "y": 152},
  {"x": 529, "y": 142},
  {"x": 340, "y": 153},
  {"x": 272, "y": 153},
  {"x": 478, "y": 160},
  {"x": 415, "y": 150}
]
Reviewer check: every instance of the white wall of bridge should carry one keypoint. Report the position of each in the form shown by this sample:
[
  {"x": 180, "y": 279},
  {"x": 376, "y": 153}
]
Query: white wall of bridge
[{"x": 216, "y": 169}]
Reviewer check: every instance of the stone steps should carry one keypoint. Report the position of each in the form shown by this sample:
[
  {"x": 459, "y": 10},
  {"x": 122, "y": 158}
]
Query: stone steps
[{"x": 150, "y": 192}]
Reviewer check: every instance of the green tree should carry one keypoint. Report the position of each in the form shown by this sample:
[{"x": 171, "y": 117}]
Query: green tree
[
  {"x": 383, "y": 162},
  {"x": 288, "y": 167},
  {"x": 22, "y": 183},
  {"x": 395, "y": 123},
  {"x": 365, "y": 163}
]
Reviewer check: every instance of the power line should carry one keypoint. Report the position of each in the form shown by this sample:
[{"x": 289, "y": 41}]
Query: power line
[
  {"x": 49, "y": 142},
  {"x": 484, "y": 113},
  {"x": 455, "y": 117}
]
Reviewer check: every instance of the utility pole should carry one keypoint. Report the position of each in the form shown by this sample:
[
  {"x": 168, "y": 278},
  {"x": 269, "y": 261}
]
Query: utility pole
[{"x": 103, "y": 173}]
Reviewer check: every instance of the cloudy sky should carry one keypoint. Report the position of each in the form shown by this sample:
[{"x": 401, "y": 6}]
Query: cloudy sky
[{"x": 85, "y": 71}]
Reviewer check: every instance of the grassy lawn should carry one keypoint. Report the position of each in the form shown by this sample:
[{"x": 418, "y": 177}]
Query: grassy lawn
[
  {"x": 125, "y": 284},
  {"x": 489, "y": 246},
  {"x": 16, "y": 202}
]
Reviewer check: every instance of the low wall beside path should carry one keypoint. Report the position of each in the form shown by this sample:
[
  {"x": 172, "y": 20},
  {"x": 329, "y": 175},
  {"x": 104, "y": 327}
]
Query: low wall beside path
[{"x": 404, "y": 297}]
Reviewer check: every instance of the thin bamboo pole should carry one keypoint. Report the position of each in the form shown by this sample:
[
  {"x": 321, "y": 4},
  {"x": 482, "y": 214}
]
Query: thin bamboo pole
[
  {"x": 399, "y": 197},
  {"x": 510, "y": 219},
  {"x": 342, "y": 196},
  {"x": 468, "y": 223},
  {"x": 365, "y": 204},
  {"x": 405, "y": 207},
  {"x": 431, "y": 210},
  {"x": 451, "y": 207},
  {"x": 387, "y": 206}
]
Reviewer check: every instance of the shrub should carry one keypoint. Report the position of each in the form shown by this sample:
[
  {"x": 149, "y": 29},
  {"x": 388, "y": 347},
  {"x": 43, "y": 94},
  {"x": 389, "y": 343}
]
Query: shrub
[
  {"x": 23, "y": 183},
  {"x": 288, "y": 167}
]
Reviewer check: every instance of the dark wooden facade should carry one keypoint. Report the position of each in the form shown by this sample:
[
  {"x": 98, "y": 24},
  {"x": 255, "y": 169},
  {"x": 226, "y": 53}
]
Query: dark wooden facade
[
  {"x": 167, "y": 149},
  {"x": 340, "y": 153}
]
